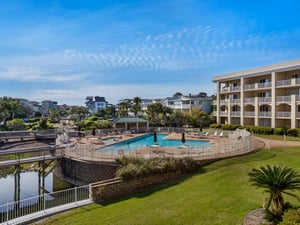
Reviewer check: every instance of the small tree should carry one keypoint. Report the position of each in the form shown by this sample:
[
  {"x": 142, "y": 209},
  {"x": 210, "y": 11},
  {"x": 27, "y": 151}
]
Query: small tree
[
  {"x": 275, "y": 180},
  {"x": 16, "y": 125}
]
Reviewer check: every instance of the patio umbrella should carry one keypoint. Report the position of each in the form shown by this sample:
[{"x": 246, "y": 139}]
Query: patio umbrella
[
  {"x": 154, "y": 137},
  {"x": 183, "y": 138}
]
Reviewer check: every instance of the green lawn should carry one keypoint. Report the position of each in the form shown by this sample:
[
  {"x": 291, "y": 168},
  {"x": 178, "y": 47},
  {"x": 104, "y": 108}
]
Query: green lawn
[
  {"x": 218, "y": 194},
  {"x": 278, "y": 137}
]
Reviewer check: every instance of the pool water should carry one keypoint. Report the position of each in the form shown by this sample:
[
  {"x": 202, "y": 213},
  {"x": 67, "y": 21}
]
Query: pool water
[{"x": 148, "y": 140}]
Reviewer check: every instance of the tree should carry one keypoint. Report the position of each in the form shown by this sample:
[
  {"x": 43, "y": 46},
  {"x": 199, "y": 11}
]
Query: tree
[
  {"x": 275, "y": 180},
  {"x": 177, "y": 95},
  {"x": 81, "y": 111},
  {"x": 54, "y": 115},
  {"x": 202, "y": 94},
  {"x": 136, "y": 107},
  {"x": 153, "y": 111},
  {"x": 123, "y": 109},
  {"x": 16, "y": 125},
  {"x": 9, "y": 108}
]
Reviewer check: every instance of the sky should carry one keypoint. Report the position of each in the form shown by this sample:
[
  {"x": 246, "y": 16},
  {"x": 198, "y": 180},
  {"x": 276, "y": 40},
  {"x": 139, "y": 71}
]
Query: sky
[{"x": 65, "y": 50}]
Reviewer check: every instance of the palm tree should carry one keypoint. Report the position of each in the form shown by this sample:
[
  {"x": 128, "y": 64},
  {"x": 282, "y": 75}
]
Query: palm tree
[
  {"x": 275, "y": 180},
  {"x": 136, "y": 107}
]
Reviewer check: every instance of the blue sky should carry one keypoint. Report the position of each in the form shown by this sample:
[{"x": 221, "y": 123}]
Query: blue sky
[{"x": 66, "y": 50}]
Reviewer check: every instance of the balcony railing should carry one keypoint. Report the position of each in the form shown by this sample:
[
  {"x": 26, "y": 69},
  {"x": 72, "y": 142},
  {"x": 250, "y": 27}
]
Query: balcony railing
[
  {"x": 228, "y": 89},
  {"x": 283, "y": 114},
  {"x": 298, "y": 81},
  {"x": 283, "y": 83},
  {"x": 265, "y": 100},
  {"x": 236, "y": 113},
  {"x": 237, "y": 100},
  {"x": 249, "y": 113},
  {"x": 265, "y": 114},
  {"x": 298, "y": 115},
  {"x": 223, "y": 113},
  {"x": 224, "y": 101},
  {"x": 249, "y": 100},
  {"x": 283, "y": 98},
  {"x": 249, "y": 86},
  {"x": 298, "y": 98},
  {"x": 264, "y": 85}
]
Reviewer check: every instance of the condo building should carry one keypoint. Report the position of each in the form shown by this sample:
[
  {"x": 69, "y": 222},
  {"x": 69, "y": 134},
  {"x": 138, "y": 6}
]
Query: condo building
[{"x": 265, "y": 96}]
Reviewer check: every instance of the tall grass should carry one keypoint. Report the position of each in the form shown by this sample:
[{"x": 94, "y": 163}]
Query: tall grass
[{"x": 218, "y": 194}]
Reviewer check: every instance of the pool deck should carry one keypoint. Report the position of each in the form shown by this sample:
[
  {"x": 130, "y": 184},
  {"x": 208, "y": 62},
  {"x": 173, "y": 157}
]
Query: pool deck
[{"x": 94, "y": 142}]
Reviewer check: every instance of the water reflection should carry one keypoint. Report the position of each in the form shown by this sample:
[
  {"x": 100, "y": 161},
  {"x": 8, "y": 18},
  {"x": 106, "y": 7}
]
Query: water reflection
[{"x": 28, "y": 184}]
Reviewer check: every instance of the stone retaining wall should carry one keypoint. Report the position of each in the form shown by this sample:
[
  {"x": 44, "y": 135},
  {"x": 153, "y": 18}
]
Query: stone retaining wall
[
  {"x": 116, "y": 188},
  {"x": 80, "y": 172}
]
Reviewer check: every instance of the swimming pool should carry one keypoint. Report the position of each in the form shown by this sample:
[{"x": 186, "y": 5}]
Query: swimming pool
[{"x": 148, "y": 140}]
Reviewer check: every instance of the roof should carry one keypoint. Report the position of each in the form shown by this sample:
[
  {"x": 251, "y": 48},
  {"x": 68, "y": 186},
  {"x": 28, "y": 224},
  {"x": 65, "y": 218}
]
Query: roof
[
  {"x": 129, "y": 120},
  {"x": 284, "y": 66}
]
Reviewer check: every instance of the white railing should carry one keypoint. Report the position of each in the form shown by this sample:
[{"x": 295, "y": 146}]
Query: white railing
[
  {"x": 249, "y": 113},
  {"x": 249, "y": 100},
  {"x": 249, "y": 86},
  {"x": 265, "y": 114},
  {"x": 264, "y": 85},
  {"x": 223, "y": 113},
  {"x": 283, "y": 83},
  {"x": 236, "y": 113},
  {"x": 38, "y": 206},
  {"x": 298, "y": 98},
  {"x": 265, "y": 99},
  {"x": 283, "y": 114},
  {"x": 283, "y": 98},
  {"x": 237, "y": 100},
  {"x": 224, "y": 101},
  {"x": 298, "y": 81},
  {"x": 298, "y": 114},
  {"x": 236, "y": 88}
]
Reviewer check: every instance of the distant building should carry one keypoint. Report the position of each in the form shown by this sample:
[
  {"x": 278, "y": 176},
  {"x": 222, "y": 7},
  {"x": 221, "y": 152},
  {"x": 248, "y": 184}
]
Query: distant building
[
  {"x": 186, "y": 103},
  {"x": 96, "y": 103},
  {"x": 46, "y": 106}
]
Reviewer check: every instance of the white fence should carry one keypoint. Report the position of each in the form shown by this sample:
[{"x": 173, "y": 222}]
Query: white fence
[{"x": 35, "y": 207}]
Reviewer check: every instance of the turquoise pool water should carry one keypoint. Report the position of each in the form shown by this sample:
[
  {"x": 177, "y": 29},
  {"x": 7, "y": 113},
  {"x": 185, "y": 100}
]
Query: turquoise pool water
[{"x": 148, "y": 140}]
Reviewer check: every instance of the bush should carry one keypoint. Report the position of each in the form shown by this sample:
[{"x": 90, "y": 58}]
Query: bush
[
  {"x": 215, "y": 125},
  {"x": 291, "y": 217},
  {"x": 292, "y": 132},
  {"x": 230, "y": 126},
  {"x": 137, "y": 168},
  {"x": 278, "y": 131}
]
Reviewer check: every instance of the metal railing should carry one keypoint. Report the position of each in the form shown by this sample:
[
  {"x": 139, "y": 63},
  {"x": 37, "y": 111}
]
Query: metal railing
[
  {"x": 283, "y": 98},
  {"x": 26, "y": 209},
  {"x": 264, "y": 85},
  {"x": 249, "y": 113},
  {"x": 283, "y": 114},
  {"x": 283, "y": 83}
]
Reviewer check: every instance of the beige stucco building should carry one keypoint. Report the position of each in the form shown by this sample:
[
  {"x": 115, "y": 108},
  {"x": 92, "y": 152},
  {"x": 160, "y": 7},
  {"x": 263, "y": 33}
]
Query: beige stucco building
[{"x": 264, "y": 96}]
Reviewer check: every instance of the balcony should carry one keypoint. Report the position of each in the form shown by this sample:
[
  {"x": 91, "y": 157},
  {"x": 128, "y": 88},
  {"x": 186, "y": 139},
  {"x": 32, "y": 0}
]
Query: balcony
[
  {"x": 230, "y": 89},
  {"x": 249, "y": 87},
  {"x": 265, "y": 100},
  {"x": 236, "y": 101},
  {"x": 264, "y": 85},
  {"x": 249, "y": 100},
  {"x": 236, "y": 113},
  {"x": 281, "y": 83},
  {"x": 298, "y": 115},
  {"x": 265, "y": 114},
  {"x": 249, "y": 114},
  {"x": 298, "y": 81},
  {"x": 224, "y": 102},
  {"x": 283, "y": 114},
  {"x": 283, "y": 99},
  {"x": 223, "y": 113}
]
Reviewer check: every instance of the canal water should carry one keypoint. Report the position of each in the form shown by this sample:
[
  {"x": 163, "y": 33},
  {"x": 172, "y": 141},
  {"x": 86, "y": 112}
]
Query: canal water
[{"x": 31, "y": 184}]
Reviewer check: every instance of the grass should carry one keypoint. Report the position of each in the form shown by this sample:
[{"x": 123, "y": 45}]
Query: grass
[
  {"x": 278, "y": 137},
  {"x": 217, "y": 194}
]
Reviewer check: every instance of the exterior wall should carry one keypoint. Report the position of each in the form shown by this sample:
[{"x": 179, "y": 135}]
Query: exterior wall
[
  {"x": 266, "y": 96},
  {"x": 84, "y": 172}
]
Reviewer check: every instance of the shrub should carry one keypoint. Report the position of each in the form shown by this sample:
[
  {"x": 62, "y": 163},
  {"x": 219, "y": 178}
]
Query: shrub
[
  {"x": 278, "y": 131},
  {"x": 230, "y": 126},
  {"x": 291, "y": 217},
  {"x": 292, "y": 132},
  {"x": 137, "y": 168},
  {"x": 215, "y": 125}
]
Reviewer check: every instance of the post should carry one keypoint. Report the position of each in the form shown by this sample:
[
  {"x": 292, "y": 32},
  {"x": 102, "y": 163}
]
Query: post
[
  {"x": 76, "y": 195},
  {"x": 7, "y": 213}
]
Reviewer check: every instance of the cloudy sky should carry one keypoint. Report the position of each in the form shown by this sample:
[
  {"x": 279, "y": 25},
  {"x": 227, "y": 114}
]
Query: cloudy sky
[{"x": 65, "y": 50}]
